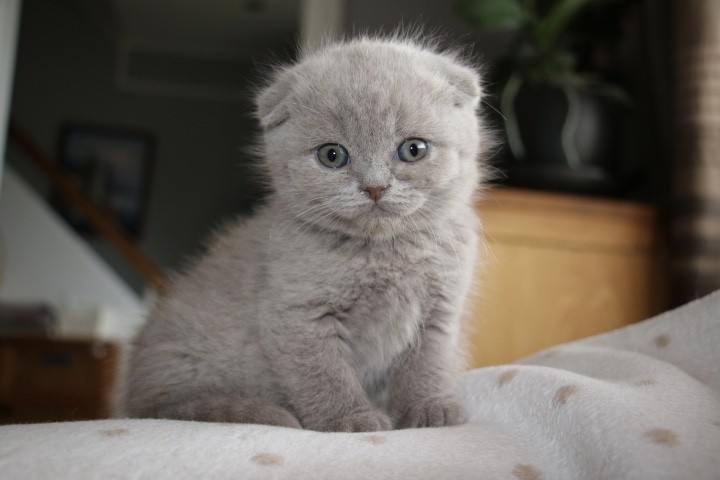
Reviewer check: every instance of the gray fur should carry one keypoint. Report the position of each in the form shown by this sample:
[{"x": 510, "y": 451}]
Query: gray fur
[{"x": 326, "y": 309}]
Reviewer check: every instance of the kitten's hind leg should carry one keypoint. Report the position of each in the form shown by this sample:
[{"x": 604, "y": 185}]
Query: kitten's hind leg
[{"x": 230, "y": 409}]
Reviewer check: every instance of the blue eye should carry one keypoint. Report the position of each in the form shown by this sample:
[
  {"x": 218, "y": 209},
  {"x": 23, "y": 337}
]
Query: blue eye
[
  {"x": 412, "y": 150},
  {"x": 333, "y": 155}
]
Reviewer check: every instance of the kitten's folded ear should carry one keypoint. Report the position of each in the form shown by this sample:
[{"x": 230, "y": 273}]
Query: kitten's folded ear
[
  {"x": 271, "y": 110},
  {"x": 464, "y": 81}
]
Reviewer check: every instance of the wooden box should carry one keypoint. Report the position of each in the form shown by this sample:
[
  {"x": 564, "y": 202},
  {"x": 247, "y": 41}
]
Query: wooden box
[{"x": 53, "y": 380}]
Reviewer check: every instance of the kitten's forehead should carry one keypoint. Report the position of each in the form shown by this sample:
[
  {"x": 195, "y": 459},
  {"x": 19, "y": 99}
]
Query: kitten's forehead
[
  {"x": 368, "y": 88},
  {"x": 364, "y": 70}
]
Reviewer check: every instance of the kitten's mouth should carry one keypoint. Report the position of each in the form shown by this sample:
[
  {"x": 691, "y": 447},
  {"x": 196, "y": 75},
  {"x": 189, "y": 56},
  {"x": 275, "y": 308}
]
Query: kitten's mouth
[
  {"x": 383, "y": 211},
  {"x": 376, "y": 219},
  {"x": 376, "y": 209},
  {"x": 388, "y": 212}
]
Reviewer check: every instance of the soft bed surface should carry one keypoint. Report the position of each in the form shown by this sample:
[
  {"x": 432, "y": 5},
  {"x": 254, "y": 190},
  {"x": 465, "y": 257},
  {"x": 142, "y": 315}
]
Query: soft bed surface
[{"x": 642, "y": 402}]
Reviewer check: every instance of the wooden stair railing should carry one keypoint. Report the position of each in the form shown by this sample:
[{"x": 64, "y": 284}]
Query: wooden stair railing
[{"x": 102, "y": 221}]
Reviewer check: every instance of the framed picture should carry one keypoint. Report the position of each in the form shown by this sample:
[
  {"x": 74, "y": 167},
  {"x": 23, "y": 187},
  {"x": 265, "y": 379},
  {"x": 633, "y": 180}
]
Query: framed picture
[{"x": 113, "y": 166}]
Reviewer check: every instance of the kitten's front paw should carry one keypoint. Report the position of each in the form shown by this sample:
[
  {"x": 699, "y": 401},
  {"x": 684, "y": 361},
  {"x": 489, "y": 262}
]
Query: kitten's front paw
[
  {"x": 433, "y": 412},
  {"x": 363, "y": 421}
]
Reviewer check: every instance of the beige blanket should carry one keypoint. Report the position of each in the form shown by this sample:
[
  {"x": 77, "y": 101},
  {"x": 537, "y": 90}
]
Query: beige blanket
[{"x": 639, "y": 403}]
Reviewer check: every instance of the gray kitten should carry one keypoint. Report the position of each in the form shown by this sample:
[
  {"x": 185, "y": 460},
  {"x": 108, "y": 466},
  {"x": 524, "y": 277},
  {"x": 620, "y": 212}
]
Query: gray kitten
[{"x": 337, "y": 306}]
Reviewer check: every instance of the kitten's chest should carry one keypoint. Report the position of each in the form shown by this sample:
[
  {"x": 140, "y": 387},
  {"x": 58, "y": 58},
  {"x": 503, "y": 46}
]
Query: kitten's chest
[
  {"x": 379, "y": 312},
  {"x": 376, "y": 300},
  {"x": 382, "y": 296}
]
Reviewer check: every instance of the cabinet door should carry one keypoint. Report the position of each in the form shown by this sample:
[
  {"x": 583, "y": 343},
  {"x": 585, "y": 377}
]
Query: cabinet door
[
  {"x": 533, "y": 298},
  {"x": 558, "y": 268}
]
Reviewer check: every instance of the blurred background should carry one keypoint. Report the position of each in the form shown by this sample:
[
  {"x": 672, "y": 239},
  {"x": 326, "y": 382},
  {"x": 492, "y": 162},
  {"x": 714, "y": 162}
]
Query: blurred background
[{"x": 128, "y": 125}]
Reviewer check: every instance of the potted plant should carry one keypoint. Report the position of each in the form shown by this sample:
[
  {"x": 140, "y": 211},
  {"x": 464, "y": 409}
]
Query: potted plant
[{"x": 565, "y": 129}]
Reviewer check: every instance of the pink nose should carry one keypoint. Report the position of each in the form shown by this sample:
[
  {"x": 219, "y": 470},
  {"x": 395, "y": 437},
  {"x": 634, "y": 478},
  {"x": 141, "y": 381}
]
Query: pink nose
[{"x": 375, "y": 192}]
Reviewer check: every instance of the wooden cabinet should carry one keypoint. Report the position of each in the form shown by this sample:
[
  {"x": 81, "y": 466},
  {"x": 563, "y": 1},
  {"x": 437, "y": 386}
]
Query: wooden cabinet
[
  {"x": 556, "y": 268},
  {"x": 53, "y": 380}
]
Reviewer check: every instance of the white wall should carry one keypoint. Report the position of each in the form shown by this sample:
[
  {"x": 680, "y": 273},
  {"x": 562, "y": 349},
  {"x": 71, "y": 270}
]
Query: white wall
[
  {"x": 43, "y": 261},
  {"x": 66, "y": 73},
  {"x": 9, "y": 20}
]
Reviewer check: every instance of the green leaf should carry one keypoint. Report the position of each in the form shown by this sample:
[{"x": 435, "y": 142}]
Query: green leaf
[
  {"x": 550, "y": 28},
  {"x": 493, "y": 13}
]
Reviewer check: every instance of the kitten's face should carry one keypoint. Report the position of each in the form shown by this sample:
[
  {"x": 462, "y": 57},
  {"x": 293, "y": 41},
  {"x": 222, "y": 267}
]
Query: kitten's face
[{"x": 372, "y": 139}]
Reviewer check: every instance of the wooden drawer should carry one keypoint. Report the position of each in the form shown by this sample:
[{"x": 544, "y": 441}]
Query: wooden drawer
[
  {"x": 556, "y": 268},
  {"x": 44, "y": 380}
]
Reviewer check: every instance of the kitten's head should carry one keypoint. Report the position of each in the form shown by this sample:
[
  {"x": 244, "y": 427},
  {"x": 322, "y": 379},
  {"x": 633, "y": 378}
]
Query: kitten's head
[{"x": 373, "y": 137}]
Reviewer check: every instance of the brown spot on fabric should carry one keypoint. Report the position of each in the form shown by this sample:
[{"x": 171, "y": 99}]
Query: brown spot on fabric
[
  {"x": 563, "y": 394},
  {"x": 115, "y": 432},
  {"x": 662, "y": 341},
  {"x": 506, "y": 376},
  {"x": 662, "y": 436},
  {"x": 267, "y": 459},
  {"x": 375, "y": 439},
  {"x": 527, "y": 472},
  {"x": 717, "y": 424},
  {"x": 645, "y": 383},
  {"x": 549, "y": 354}
]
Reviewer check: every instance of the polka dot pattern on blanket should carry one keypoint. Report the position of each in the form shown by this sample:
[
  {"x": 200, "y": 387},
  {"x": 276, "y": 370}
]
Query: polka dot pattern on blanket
[
  {"x": 375, "y": 439},
  {"x": 267, "y": 459},
  {"x": 663, "y": 436},
  {"x": 527, "y": 472},
  {"x": 563, "y": 394},
  {"x": 662, "y": 341},
  {"x": 506, "y": 377},
  {"x": 115, "y": 432}
]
